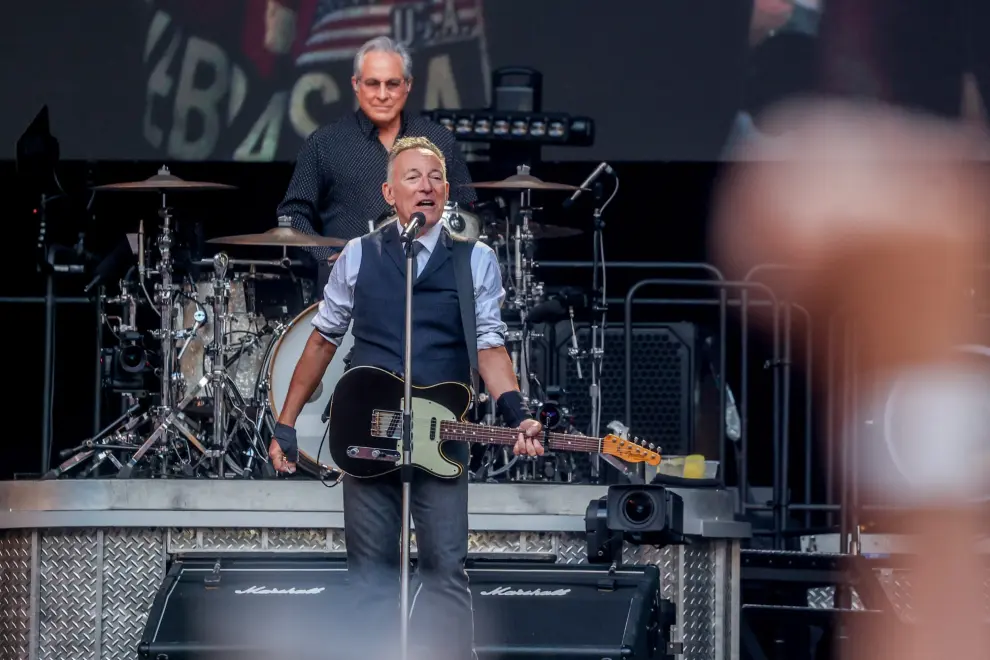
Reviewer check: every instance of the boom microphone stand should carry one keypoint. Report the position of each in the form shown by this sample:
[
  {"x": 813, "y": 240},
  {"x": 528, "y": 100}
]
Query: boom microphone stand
[{"x": 408, "y": 233}]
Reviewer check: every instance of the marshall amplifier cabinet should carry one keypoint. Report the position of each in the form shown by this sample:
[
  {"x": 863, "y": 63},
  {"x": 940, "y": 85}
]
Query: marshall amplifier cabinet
[
  {"x": 249, "y": 608},
  {"x": 561, "y": 611}
]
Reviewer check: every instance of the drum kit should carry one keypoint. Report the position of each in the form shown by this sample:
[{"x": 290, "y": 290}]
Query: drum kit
[{"x": 201, "y": 389}]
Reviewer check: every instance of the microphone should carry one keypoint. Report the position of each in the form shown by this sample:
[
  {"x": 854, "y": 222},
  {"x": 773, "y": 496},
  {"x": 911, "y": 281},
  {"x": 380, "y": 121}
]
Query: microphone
[
  {"x": 602, "y": 167},
  {"x": 416, "y": 222}
]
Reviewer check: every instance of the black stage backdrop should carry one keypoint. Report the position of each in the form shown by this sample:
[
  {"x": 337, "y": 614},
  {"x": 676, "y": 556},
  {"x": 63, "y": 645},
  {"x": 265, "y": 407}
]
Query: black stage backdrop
[{"x": 248, "y": 79}]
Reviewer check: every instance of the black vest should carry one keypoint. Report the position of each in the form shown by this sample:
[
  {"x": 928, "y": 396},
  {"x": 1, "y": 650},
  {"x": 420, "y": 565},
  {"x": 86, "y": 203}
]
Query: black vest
[{"x": 440, "y": 352}]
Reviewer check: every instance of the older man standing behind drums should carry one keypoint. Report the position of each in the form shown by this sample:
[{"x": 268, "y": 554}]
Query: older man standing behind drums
[{"x": 336, "y": 185}]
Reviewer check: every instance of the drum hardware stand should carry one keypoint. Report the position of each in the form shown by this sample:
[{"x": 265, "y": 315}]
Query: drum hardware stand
[
  {"x": 103, "y": 451},
  {"x": 524, "y": 290},
  {"x": 168, "y": 414}
]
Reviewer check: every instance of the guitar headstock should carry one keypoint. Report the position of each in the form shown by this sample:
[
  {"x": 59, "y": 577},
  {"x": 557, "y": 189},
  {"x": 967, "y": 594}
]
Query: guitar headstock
[{"x": 633, "y": 450}]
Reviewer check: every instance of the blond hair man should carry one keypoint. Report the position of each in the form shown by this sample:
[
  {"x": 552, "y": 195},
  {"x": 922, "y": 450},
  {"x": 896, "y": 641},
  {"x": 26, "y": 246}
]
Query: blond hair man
[{"x": 366, "y": 292}]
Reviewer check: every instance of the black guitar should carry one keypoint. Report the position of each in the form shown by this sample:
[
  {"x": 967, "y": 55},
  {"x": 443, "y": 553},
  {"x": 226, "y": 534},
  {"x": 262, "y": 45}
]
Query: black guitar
[{"x": 366, "y": 427}]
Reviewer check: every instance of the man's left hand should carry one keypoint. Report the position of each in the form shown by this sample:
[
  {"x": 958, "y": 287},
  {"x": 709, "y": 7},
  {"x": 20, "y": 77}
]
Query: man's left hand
[{"x": 528, "y": 443}]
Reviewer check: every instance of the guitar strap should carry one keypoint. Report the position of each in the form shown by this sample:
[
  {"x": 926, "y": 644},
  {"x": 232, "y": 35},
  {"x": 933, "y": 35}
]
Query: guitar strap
[{"x": 460, "y": 253}]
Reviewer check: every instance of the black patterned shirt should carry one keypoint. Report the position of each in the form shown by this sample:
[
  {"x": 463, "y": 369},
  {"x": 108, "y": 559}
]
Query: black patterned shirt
[{"x": 336, "y": 188}]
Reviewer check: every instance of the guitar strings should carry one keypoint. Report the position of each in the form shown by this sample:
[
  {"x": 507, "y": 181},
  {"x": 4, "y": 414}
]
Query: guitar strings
[{"x": 466, "y": 431}]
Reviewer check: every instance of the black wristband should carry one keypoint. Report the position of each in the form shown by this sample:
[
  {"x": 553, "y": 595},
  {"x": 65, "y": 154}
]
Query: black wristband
[
  {"x": 512, "y": 408},
  {"x": 285, "y": 436}
]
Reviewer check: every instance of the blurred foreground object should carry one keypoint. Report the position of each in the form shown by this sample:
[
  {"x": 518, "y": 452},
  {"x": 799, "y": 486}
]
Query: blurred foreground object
[{"x": 883, "y": 215}]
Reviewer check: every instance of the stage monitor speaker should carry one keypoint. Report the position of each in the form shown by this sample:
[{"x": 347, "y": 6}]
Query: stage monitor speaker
[
  {"x": 252, "y": 608},
  {"x": 664, "y": 365}
]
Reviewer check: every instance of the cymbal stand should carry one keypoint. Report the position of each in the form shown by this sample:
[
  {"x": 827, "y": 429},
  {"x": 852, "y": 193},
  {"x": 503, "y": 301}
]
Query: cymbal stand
[
  {"x": 168, "y": 415},
  {"x": 220, "y": 382}
]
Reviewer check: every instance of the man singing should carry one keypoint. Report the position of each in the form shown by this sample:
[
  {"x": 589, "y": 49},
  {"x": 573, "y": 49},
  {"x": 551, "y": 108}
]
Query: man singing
[
  {"x": 366, "y": 286},
  {"x": 335, "y": 185}
]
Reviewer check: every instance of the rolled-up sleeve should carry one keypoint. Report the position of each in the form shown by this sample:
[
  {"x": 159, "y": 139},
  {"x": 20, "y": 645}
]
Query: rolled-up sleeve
[
  {"x": 488, "y": 297},
  {"x": 333, "y": 316}
]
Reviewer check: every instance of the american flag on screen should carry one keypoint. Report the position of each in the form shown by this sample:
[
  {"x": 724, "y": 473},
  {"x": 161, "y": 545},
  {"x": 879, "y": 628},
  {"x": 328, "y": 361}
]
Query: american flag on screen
[{"x": 339, "y": 27}]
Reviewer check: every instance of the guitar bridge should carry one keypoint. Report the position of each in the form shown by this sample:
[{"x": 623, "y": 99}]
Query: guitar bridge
[
  {"x": 386, "y": 424},
  {"x": 374, "y": 454}
]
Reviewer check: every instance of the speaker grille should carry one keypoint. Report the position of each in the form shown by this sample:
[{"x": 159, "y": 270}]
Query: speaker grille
[{"x": 663, "y": 358}]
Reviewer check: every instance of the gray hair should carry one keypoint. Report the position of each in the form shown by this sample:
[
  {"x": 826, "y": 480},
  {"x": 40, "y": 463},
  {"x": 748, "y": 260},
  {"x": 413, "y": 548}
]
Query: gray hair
[{"x": 383, "y": 45}]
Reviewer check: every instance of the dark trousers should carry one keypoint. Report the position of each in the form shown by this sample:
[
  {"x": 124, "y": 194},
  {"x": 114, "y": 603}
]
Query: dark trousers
[{"x": 441, "y": 623}]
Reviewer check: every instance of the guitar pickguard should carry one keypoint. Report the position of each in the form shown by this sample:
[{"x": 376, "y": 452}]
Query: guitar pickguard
[{"x": 426, "y": 415}]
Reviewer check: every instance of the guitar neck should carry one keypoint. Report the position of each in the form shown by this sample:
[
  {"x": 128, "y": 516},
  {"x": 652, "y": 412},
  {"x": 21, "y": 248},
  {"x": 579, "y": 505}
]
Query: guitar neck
[{"x": 496, "y": 435}]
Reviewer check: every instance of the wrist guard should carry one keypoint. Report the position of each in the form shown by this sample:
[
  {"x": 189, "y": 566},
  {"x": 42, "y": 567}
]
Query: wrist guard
[
  {"x": 285, "y": 436},
  {"x": 512, "y": 409}
]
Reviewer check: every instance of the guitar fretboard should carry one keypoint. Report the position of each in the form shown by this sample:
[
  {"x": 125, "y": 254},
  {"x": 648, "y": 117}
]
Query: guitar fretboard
[{"x": 496, "y": 435}]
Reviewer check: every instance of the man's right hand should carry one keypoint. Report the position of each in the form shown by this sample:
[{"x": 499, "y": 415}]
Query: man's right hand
[
  {"x": 279, "y": 461},
  {"x": 333, "y": 258}
]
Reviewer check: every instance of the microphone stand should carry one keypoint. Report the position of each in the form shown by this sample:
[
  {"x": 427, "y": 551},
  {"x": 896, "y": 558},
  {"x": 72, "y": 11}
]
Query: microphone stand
[
  {"x": 599, "y": 308},
  {"x": 406, "y": 469}
]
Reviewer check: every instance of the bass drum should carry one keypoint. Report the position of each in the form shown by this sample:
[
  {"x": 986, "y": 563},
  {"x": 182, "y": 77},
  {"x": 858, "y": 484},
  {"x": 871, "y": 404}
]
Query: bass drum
[{"x": 286, "y": 351}]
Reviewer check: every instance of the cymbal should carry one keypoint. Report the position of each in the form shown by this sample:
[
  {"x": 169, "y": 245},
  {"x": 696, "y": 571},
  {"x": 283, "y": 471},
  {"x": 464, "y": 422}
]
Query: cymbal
[
  {"x": 552, "y": 231},
  {"x": 522, "y": 182},
  {"x": 281, "y": 237},
  {"x": 163, "y": 181}
]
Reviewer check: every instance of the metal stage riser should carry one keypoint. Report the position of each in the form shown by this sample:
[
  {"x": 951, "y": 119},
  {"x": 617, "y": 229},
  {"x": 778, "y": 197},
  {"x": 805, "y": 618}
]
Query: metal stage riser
[{"x": 85, "y": 593}]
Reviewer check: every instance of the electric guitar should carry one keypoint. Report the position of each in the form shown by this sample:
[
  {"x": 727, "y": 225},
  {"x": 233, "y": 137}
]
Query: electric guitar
[{"x": 365, "y": 421}]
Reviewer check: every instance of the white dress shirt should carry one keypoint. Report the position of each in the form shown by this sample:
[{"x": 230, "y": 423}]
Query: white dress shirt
[{"x": 334, "y": 316}]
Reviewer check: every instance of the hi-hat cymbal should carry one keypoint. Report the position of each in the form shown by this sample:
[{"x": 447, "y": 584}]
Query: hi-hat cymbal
[
  {"x": 281, "y": 237},
  {"x": 522, "y": 182},
  {"x": 164, "y": 181}
]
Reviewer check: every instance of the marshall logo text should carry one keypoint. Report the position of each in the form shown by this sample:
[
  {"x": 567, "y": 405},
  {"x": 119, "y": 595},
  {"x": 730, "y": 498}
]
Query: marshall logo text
[
  {"x": 291, "y": 591},
  {"x": 509, "y": 591}
]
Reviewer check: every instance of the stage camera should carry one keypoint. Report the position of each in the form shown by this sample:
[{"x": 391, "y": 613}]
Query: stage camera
[
  {"x": 127, "y": 366},
  {"x": 602, "y": 544},
  {"x": 645, "y": 514}
]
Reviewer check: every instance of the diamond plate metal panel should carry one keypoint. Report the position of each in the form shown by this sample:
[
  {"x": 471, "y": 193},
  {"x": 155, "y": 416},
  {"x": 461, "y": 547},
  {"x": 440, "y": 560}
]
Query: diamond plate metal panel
[
  {"x": 15, "y": 594},
  {"x": 297, "y": 540},
  {"x": 664, "y": 558},
  {"x": 571, "y": 549},
  {"x": 824, "y": 598},
  {"x": 181, "y": 540},
  {"x": 493, "y": 542},
  {"x": 897, "y": 585},
  {"x": 698, "y": 601},
  {"x": 133, "y": 571},
  {"x": 231, "y": 540},
  {"x": 68, "y": 608}
]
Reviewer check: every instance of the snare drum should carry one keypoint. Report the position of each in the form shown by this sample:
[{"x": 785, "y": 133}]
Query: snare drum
[{"x": 285, "y": 352}]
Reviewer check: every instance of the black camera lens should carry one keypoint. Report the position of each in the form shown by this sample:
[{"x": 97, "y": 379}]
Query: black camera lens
[
  {"x": 132, "y": 359},
  {"x": 638, "y": 508}
]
